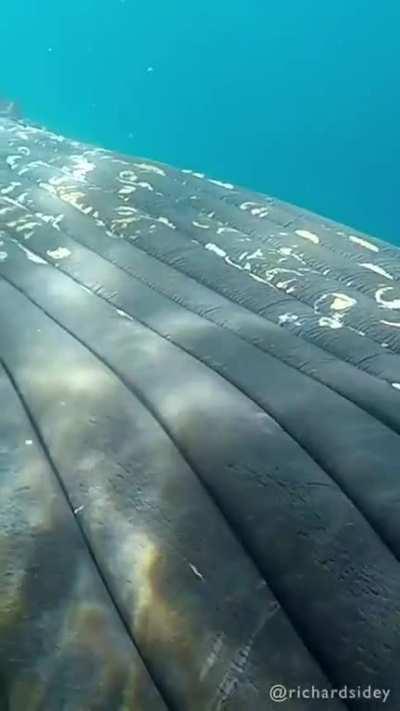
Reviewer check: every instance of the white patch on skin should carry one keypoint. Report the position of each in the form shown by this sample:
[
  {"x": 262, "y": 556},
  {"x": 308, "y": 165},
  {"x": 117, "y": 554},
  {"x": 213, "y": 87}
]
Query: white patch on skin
[
  {"x": 127, "y": 190},
  {"x": 395, "y": 324},
  {"x": 394, "y": 304},
  {"x": 26, "y": 226},
  {"x": 228, "y": 186},
  {"x": 260, "y": 212},
  {"x": 165, "y": 221},
  {"x": 150, "y": 168},
  {"x": 31, "y": 256},
  {"x": 288, "y": 252},
  {"x": 24, "y": 150},
  {"x": 377, "y": 269},
  {"x": 256, "y": 255},
  {"x": 217, "y": 250},
  {"x": 145, "y": 185},
  {"x": 308, "y": 235},
  {"x": 82, "y": 167},
  {"x": 12, "y": 161},
  {"x": 59, "y": 253},
  {"x": 28, "y": 442},
  {"x": 9, "y": 188},
  {"x": 78, "y": 510},
  {"x": 200, "y": 225},
  {"x": 396, "y": 385},
  {"x": 335, "y": 302},
  {"x": 342, "y": 302},
  {"x": 331, "y": 321},
  {"x": 124, "y": 314},
  {"x": 248, "y": 205},
  {"x": 221, "y": 230},
  {"x": 196, "y": 571},
  {"x": 213, "y": 656},
  {"x": 3, "y": 256},
  {"x": 363, "y": 243},
  {"x": 288, "y": 318}
]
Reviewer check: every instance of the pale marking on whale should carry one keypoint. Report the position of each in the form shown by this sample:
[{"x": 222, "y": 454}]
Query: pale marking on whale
[
  {"x": 221, "y": 184},
  {"x": 125, "y": 314},
  {"x": 31, "y": 255},
  {"x": 145, "y": 185},
  {"x": 213, "y": 656},
  {"x": 377, "y": 269},
  {"x": 59, "y": 253},
  {"x": 396, "y": 386},
  {"x": 24, "y": 150},
  {"x": 363, "y": 243},
  {"x": 53, "y": 220},
  {"x": 150, "y": 168},
  {"x": 395, "y": 324},
  {"x": 196, "y": 572},
  {"x": 340, "y": 304},
  {"x": 12, "y": 161},
  {"x": 200, "y": 225},
  {"x": 221, "y": 230},
  {"x": 214, "y": 248},
  {"x": 167, "y": 222},
  {"x": 306, "y": 234},
  {"x": 394, "y": 304},
  {"x": 3, "y": 256},
  {"x": 9, "y": 189},
  {"x": 289, "y": 318},
  {"x": 82, "y": 166}
]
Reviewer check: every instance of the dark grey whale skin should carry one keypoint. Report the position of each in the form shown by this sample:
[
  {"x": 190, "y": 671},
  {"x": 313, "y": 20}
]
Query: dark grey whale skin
[{"x": 199, "y": 441}]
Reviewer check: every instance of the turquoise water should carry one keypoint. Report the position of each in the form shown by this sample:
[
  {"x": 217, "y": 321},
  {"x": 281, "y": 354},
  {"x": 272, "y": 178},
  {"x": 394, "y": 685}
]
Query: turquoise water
[{"x": 296, "y": 98}]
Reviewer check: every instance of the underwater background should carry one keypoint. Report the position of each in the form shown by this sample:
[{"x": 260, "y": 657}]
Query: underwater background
[{"x": 296, "y": 98}]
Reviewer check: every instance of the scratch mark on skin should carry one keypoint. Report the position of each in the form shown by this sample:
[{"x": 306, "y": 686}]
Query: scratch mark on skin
[
  {"x": 165, "y": 221},
  {"x": 310, "y": 236},
  {"x": 378, "y": 270},
  {"x": 196, "y": 572},
  {"x": 150, "y": 168},
  {"x": 394, "y": 304},
  {"x": 31, "y": 256},
  {"x": 363, "y": 243},
  {"x": 228, "y": 186},
  {"x": 9, "y": 189},
  {"x": 200, "y": 225},
  {"x": 214, "y": 248},
  {"x": 213, "y": 656},
  {"x": 395, "y": 324}
]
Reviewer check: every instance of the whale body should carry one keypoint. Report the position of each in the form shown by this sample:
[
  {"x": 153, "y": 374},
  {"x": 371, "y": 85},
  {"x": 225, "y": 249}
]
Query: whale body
[{"x": 199, "y": 441}]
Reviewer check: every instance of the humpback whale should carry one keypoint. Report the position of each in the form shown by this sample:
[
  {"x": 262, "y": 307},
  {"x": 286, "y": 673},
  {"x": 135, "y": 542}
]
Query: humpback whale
[{"x": 199, "y": 442}]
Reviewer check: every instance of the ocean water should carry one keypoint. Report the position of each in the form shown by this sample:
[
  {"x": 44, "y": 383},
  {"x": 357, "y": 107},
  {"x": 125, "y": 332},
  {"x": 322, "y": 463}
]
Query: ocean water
[{"x": 296, "y": 98}]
